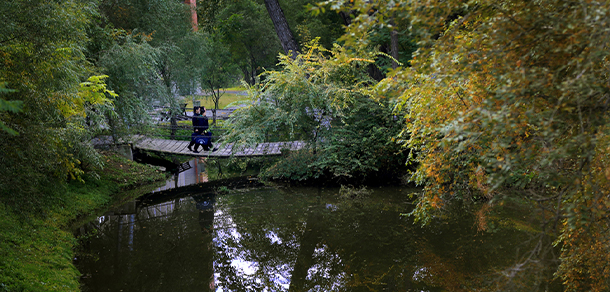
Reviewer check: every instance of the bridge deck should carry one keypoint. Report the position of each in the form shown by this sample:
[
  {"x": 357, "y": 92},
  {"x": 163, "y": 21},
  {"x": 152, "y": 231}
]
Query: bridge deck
[{"x": 179, "y": 147}]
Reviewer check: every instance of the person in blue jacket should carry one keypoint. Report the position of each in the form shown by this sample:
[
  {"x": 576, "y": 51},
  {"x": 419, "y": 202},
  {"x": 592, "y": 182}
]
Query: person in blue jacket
[{"x": 200, "y": 129}]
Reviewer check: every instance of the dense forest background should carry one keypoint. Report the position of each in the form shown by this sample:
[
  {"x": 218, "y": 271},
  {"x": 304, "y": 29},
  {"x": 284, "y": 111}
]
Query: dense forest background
[{"x": 486, "y": 101}]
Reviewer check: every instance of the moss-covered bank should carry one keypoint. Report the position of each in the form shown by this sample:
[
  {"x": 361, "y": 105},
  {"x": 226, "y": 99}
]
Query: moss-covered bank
[{"x": 36, "y": 250}]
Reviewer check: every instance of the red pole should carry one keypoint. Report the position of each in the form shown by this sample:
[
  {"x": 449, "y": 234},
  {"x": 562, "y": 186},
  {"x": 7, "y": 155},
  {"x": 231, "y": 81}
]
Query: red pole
[{"x": 193, "y": 5}]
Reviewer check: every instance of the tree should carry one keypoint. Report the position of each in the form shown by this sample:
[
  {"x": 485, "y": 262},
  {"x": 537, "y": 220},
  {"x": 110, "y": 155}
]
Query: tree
[
  {"x": 325, "y": 101},
  {"x": 306, "y": 26},
  {"x": 42, "y": 62},
  {"x": 165, "y": 21},
  {"x": 526, "y": 120},
  {"x": 382, "y": 26},
  {"x": 282, "y": 29},
  {"x": 208, "y": 64},
  {"x": 162, "y": 25},
  {"x": 217, "y": 70},
  {"x": 508, "y": 101},
  {"x": 294, "y": 106},
  {"x": 248, "y": 33},
  {"x": 132, "y": 66},
  {"x": 246, "y": 28}
]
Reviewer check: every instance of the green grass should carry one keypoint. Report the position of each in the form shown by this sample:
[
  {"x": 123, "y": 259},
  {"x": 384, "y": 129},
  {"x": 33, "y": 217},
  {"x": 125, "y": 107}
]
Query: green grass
[
  {"x": 35, "y": 255},
  {"x": 36, "y": 251},
  {"x": 225, "y": 100},
  {"x": 237, "y": 88}
]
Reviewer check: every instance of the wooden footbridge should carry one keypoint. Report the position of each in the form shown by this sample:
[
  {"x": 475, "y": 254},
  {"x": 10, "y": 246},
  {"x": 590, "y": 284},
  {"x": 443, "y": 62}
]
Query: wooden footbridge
[
  {"x": 171, "y": 146},
  {"x": 228, "y": 150}
]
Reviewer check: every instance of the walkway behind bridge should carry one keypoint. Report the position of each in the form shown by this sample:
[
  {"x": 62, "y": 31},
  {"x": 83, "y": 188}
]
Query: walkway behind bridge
[{"x": 179, "y": 147}]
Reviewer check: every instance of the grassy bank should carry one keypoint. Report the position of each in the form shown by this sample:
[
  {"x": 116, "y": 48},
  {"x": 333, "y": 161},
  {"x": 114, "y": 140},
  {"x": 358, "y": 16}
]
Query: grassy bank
[
  {"x": 36, "y": 251},
  {"x": 229, "y": 98}
]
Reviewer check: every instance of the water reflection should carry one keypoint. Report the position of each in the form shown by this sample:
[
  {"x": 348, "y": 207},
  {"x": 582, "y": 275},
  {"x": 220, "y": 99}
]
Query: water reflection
[
  {"x": 292, "y": 240},
  {"x": 191, "y": 172}
]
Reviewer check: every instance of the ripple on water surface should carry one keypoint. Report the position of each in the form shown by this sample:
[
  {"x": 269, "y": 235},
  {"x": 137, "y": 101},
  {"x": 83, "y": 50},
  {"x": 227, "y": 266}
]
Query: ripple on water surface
[{"x": 293, "y": 239}]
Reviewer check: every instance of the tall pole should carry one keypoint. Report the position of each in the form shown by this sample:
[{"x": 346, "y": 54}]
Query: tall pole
[{"x": 193, "y": 5}]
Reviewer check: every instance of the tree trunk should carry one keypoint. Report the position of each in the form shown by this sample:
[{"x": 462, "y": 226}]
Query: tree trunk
[
  {"x": 394, "y": 43},
  {"x": 282, "y": 29},
  {"x": 173, "y": 125},
  {"x": 247, "y": 74},
  {"x": 394, "y": 47},
  {"x": 346, "y": 18},
  {"x": 312, "y": 235}
]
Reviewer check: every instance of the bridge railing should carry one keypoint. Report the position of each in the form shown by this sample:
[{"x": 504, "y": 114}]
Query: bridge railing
[
  {"x": 183, "y": 132},
  {"x": 172, "y": 120},
  {"x": 166, "y": 113}
]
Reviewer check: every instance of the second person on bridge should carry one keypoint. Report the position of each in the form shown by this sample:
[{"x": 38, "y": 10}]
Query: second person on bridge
[{"x": 201, "y": 135}]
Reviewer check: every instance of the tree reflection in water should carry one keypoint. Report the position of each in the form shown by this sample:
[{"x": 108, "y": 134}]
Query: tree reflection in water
[{"x": 297, "y": 240}]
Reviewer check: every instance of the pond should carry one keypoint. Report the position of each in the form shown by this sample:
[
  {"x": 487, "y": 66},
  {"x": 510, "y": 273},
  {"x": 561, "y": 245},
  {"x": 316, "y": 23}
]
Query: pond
[{"x": 296, "y": 239}]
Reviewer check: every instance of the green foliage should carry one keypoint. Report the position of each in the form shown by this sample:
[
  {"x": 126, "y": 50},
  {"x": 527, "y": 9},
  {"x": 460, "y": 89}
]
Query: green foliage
[
  {"x": 306, "y": 26},
  {"x": 186, "y": 62},
  {"x": 204, "y": 63},
  {"x": 36, "y": 252},
  {"x": 122, "y": 173},
  {"x": 245, "y": 28},
  {"x": 43, "y": 63},
  {"x": 132, "y": 67},
  {"x": 508, "y": 100},
  {"x": 347, "y": 193},
  {"x": 370, "y": 25},
  {"x": 217, "y": 70},
  {"x": 327, "y": 102},
  {"x": 164, "y": 21},
  {"x": 300, "y": 101},
  {"x": 293, "y": 166},
  {"x": 236, "y": 167},
  {"x": 35, "y": 256},
  {"x": 381, "y": 38},
  {"x": 222, "y": 190},
  {"x": 362, "y": 141},
  {"x": 8, "y": 106},
  {"x": 145, "y": 47},
  {"x": 228, "y": 100}
]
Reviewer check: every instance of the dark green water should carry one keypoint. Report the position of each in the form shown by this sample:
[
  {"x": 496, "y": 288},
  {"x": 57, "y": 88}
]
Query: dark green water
[{"x": 299, "y": 239}]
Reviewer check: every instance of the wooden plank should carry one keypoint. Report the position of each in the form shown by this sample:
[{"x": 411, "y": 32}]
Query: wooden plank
[{"x": 179, "y": 147}]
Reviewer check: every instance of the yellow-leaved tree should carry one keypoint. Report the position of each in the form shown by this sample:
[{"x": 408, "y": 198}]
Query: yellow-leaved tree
[{"x": 505, "y": 100}]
